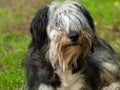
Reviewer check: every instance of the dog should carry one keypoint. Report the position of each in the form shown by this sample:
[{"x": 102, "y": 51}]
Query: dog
[{"x": 66, "y": 54}]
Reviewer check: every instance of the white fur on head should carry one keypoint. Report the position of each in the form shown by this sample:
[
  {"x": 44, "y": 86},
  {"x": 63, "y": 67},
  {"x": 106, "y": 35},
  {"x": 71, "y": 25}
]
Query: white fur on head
[{"x": 67, "y": 16}]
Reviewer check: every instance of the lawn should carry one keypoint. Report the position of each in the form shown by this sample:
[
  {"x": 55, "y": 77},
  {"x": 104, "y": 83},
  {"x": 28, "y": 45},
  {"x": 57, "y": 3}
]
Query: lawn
[{"x": 15, "y": 18}]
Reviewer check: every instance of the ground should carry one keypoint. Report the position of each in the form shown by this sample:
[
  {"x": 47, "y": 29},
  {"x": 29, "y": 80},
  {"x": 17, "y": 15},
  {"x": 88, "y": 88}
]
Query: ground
[{"x": 15, "y": 18}]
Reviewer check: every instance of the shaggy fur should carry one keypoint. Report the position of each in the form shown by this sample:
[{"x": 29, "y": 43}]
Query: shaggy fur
[{"x": 65, "y": 53}]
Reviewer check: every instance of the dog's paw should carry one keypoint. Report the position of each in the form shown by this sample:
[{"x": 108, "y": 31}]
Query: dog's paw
[
  {"x": 113, "y": 86},
  {"x": 44, "y": 87}
]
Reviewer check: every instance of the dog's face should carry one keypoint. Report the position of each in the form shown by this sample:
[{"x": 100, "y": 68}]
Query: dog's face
[{"x": 70, "y": 32}]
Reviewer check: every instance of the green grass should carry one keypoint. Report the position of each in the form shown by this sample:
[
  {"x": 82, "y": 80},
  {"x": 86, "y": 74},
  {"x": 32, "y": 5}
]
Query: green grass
[
  {"x": 15, "y": 18},
  {"x": 12, "y": 52}
]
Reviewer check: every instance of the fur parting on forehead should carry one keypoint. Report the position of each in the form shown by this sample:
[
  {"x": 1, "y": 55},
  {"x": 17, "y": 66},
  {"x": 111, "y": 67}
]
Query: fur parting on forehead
[{"x": 67, "y": 16}]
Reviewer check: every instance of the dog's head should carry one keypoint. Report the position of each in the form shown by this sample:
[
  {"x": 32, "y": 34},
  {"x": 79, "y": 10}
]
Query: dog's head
[{"x": 68, "y": 29}]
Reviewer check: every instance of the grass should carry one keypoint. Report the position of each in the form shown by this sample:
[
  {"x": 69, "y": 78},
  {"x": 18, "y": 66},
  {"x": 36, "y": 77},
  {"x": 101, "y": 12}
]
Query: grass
[
  {"x": 13, "y": 52},
  {"x": 15, "y": 18}
]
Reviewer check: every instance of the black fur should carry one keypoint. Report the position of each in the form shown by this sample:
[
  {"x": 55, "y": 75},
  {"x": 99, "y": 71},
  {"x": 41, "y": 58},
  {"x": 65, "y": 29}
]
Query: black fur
[{"x": 38, "y": 27}]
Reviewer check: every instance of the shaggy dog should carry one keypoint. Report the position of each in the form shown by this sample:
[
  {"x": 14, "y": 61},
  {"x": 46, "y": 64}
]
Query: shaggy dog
[{"x": 65, "y": 53}]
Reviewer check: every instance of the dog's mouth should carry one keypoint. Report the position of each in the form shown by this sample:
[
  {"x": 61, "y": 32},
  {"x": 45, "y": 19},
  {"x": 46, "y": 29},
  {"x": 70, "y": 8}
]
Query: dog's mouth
[{"x": 72, "y": 45}]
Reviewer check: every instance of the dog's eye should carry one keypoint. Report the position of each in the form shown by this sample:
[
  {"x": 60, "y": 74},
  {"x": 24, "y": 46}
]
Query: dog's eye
[{"x": 56, "y": 24}]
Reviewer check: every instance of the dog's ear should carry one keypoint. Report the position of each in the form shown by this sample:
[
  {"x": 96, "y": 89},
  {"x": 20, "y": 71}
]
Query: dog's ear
[
  {"x": 87, "y": 15},
  {"x": 91, "y": 23},
  {"x": 38, "y": 27},
  {"x": 89, "y": 19}
]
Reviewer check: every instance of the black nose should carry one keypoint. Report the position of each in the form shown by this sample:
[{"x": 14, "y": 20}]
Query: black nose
[{"x": 73, "y": 36}]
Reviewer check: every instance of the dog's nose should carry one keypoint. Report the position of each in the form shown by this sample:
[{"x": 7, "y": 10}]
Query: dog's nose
[{"x": 73, "y": 36}]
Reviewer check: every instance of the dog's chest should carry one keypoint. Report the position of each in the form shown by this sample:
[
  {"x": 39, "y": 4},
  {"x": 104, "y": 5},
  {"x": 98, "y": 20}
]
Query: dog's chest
[{"x": 70, "y": 81}]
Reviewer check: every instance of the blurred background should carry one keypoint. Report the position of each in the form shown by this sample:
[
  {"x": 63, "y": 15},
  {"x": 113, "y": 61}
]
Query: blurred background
[{"x": 15, "y": 18}]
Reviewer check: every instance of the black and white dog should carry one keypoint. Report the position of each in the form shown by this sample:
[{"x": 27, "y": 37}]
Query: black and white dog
[{"x": 65, "y": 53}]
